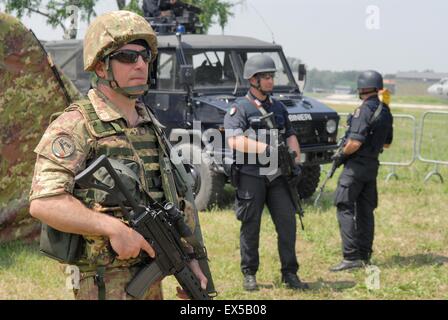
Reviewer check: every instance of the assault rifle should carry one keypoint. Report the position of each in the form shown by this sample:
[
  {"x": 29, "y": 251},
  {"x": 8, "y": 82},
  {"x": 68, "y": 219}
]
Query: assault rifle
[
  {"x": 293, "y": 174},
  {"x": 330, "y": 174},
  {"x": 161, "y": 225}
]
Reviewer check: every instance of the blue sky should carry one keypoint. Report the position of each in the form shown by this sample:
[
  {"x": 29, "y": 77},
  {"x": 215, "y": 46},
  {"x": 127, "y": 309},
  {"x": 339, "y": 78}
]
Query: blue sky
[{"x": 387, "y": 35}]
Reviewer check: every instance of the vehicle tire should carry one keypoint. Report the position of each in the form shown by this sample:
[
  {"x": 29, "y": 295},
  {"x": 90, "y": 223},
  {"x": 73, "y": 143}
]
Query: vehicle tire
[
  {"x": 209, "y": 185},
  {"x": 310, "y": 181}
]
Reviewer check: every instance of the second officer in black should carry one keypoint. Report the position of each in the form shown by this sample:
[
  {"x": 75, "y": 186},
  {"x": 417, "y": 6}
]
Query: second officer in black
[
  {"x": 257, "y": 186},
  {"x": 370, "y": 130}
]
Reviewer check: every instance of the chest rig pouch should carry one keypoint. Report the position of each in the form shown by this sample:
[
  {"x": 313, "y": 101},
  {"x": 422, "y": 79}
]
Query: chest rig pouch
[{"x": 61, "y": 246}]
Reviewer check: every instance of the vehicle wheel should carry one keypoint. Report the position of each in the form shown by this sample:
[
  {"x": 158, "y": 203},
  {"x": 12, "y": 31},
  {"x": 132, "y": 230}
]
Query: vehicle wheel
[
  {"x": 209, "y": 185},
  {"x": 310, "y": 181}
]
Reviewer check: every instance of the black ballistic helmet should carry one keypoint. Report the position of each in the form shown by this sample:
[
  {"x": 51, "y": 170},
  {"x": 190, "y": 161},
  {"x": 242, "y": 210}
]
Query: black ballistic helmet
[
  {"x": 258, "y": 64},
  {"x": 370, "y": 79}
]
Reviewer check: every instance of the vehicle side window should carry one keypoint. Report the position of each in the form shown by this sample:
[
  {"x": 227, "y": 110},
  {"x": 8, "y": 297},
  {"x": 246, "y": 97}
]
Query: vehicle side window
[{"x": 166, "y": 71}]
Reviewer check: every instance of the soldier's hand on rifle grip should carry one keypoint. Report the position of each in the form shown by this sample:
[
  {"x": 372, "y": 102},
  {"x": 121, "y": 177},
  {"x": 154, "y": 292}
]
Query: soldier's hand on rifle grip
[{"x": 128, "y": 243}]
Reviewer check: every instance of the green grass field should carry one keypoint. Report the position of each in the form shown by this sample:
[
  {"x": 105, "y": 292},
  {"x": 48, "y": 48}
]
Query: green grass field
[
  {"x": 419, "y": 100},
  {"x": 410, "y": 247}
]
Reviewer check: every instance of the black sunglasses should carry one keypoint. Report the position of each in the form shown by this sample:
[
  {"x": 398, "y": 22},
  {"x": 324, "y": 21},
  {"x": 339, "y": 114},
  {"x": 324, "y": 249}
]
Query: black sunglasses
[{"x": 131, "y": 56}]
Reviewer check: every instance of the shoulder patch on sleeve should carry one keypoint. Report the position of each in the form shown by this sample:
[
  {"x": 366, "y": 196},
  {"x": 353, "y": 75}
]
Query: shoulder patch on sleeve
[
  {"x": 357, "y": 113},
  {"x": 63, "y": 146},
  {"x": 233, "y": 110}
]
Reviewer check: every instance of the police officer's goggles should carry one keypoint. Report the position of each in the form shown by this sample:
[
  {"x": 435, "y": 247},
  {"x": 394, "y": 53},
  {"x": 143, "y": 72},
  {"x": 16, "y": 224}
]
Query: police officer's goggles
[{"x": 131, "y": 56}]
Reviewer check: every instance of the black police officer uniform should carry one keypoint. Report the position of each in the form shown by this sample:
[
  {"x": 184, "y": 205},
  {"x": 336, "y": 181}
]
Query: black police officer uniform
[
  {"x": 356, "y": 195},
  {"x": 255, "y": 189},
  {"x": 151, "y": 8}
]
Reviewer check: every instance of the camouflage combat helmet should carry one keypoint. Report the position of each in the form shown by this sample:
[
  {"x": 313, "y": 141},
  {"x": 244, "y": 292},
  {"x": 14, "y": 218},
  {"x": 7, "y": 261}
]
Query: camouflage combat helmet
[
  {"x": 108, "y": 33},
  {"x": 258, "y": 64}
]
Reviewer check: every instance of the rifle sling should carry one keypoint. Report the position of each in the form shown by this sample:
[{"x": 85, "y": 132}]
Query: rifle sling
[{"x": 263, "y": 111}]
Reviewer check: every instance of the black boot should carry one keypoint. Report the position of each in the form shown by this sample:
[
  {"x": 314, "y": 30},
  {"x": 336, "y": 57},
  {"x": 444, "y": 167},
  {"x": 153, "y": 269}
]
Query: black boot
[
  {"x": 292, "y": 281},
  {"x": 250, "y": 282},
  {"x": 348, "y": 264}
]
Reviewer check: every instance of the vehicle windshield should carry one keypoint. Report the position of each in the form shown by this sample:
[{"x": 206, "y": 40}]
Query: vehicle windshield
[{"x": 214, "y": 69}]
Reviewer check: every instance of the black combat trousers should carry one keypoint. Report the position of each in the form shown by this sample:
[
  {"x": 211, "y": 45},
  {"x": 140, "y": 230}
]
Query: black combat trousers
[
  {"x": 356, "y": 198},
  {"x": 251, "y": 195}
]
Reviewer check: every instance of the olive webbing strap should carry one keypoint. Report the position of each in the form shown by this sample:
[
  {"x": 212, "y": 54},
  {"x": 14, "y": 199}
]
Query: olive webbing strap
[{"x": 100, "y": 283}]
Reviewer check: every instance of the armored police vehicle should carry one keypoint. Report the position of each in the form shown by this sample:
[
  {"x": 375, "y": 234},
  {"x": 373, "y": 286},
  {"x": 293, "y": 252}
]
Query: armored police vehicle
[{"x": 195, "y": 79}]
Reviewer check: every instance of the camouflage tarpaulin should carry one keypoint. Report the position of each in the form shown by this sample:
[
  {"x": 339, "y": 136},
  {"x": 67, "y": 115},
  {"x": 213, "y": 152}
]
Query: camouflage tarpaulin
[{"x": 29, "y": 94}]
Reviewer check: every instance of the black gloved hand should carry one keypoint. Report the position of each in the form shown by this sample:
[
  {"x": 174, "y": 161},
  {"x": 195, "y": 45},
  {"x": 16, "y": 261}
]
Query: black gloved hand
[
  {"x": 298, "y": 172},
  {"x": 339, "y": 158},
  {"x": 298, "y": 169}
]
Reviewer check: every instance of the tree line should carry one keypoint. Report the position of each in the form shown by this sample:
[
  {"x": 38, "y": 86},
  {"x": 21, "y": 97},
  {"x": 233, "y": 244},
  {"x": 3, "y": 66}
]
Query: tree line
[{"x": 56, "y": 12}]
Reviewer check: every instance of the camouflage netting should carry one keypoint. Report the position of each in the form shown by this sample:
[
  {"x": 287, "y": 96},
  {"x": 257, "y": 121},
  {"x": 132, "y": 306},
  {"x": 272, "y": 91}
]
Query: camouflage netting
[{"x": 29, "y": 94}]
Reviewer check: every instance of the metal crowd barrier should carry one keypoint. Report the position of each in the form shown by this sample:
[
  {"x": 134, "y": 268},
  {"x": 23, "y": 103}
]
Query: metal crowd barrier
[
  {"x": 393, "y": 164},
  {"x": 416, "y": 147},
  {"x": 409, "y": 162},
  {"x": 435, "y": 171}
]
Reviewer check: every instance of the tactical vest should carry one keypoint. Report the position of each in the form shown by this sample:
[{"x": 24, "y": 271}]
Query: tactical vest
[
  {"x": 373, "y": 145},
  {"x": 137, "y": 148},
  {"x": 252, "y": 112}
]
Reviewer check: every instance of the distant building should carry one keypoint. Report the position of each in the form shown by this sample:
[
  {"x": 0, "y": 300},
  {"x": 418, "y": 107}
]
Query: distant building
[
  {"x": 318, "y": 90},
  {"x": 342, "y": 89},
  {"x": 416, "y": 83},
  {"x": 390, "y": 85}
]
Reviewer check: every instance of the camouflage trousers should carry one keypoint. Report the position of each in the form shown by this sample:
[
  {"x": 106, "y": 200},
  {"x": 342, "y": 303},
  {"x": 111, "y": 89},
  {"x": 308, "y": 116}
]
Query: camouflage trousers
[{"x": 115, "y": 280}]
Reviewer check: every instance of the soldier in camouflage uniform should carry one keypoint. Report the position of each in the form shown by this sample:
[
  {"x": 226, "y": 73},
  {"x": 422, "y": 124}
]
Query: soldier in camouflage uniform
[{"x": 119, "y": 48}]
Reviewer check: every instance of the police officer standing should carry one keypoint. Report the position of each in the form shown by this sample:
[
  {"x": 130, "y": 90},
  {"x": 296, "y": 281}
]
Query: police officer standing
[
  {"x": 370, "y": 130},
  {"x": 255, "y": 186}
]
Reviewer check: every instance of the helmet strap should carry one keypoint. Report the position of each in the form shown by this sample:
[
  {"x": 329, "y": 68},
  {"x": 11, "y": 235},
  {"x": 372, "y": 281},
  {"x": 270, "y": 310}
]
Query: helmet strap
[
  {"x": 129, "y": 92},
  {"x": 258, "y": 87},
  {"x": 361, "y": 94}
]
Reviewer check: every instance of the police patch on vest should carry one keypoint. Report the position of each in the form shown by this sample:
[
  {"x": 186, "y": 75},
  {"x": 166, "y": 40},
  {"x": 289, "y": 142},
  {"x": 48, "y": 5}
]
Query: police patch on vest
[
  {"x": 357, "y": 113},
  {"x": 63, "y": 147},
  {"x": 232, "y": 111}
]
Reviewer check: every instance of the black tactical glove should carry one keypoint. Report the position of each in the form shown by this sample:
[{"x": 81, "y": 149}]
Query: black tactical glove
[
  {"x": 339, "y": 158},
  {"x": 298, "y": 169},
  {"x": 298, "y": 172}
]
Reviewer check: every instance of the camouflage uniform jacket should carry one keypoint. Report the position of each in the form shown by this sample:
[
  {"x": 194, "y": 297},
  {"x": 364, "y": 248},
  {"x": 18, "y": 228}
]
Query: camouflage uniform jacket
[{"x": 70, "y": 143}]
